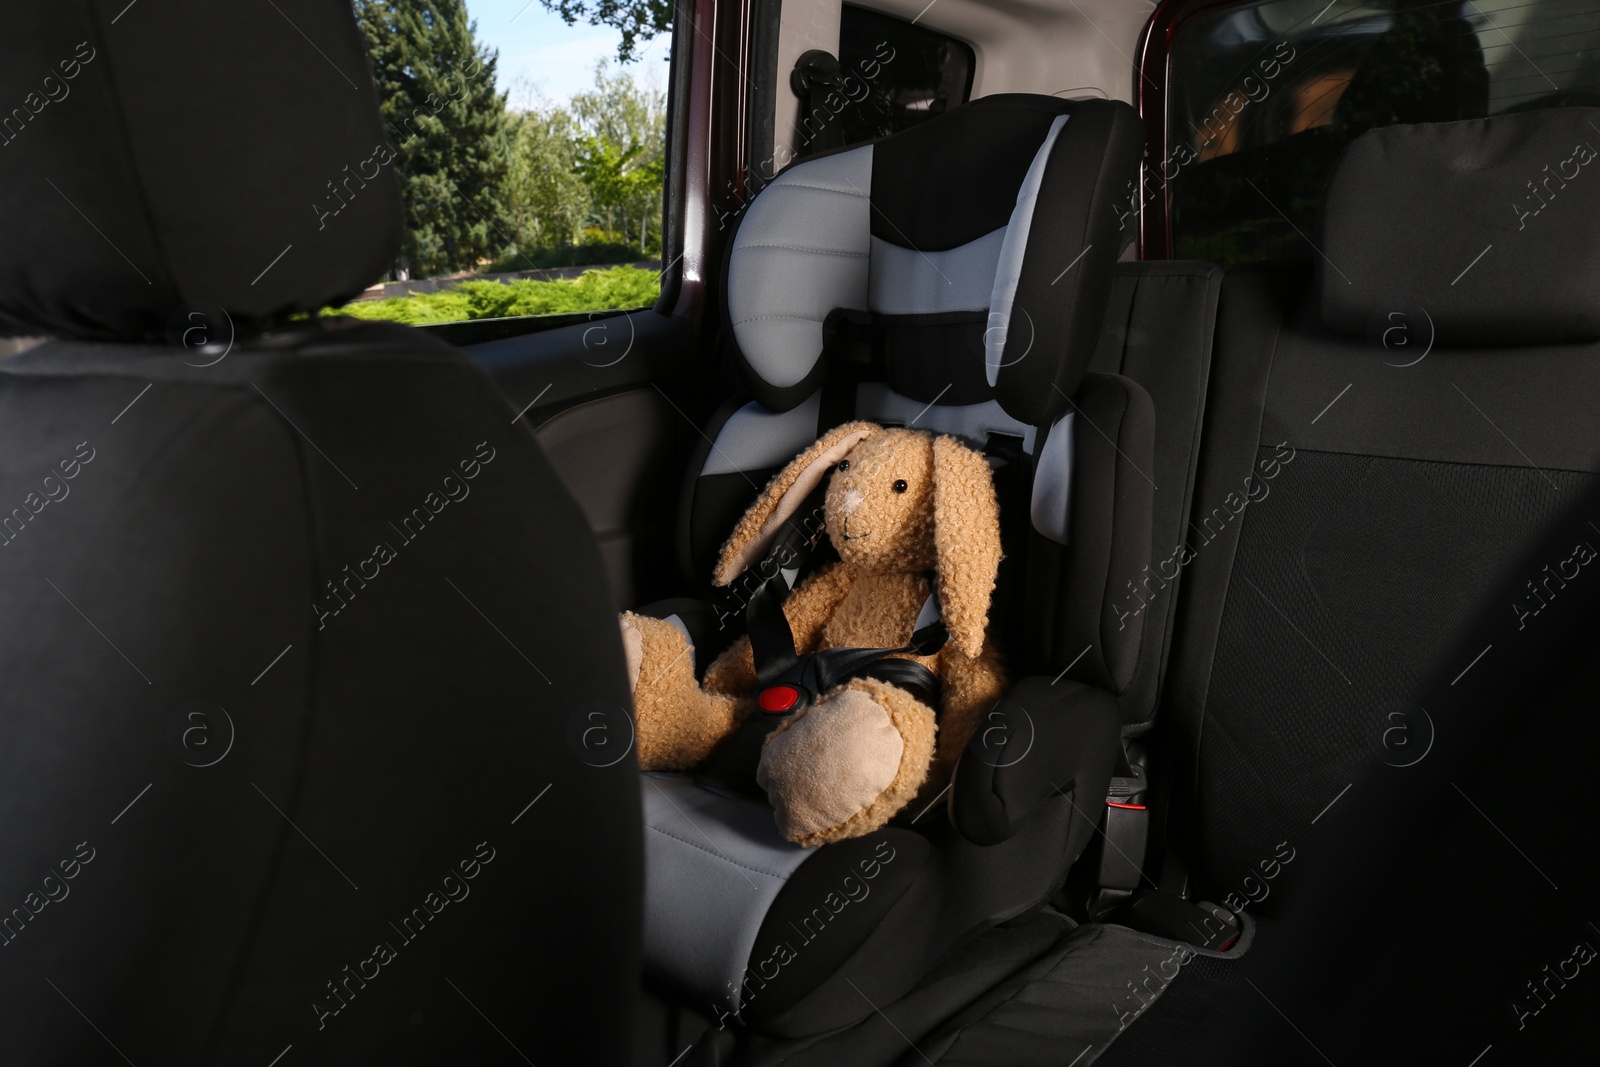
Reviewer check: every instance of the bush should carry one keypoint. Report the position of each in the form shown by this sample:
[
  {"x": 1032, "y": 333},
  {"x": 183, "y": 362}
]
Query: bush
[
  {"x": 590, "y": 252},
  {"x": 593, "y": 290}
]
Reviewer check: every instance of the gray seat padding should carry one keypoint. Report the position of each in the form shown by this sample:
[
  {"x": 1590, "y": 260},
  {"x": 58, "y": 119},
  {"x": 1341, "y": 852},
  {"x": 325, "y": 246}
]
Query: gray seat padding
[
  {"x": 981, "y": 241},
  {"x": 715, "y": 865}
]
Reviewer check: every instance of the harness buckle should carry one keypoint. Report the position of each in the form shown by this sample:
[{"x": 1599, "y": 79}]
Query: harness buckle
[{"x": 782, "y": 699}]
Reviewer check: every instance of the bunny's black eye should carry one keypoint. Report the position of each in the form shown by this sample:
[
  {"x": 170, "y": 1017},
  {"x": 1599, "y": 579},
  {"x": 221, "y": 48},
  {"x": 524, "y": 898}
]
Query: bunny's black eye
[
  {"x": 844, "y": 465},
  {"x": 900, "y": 485}
]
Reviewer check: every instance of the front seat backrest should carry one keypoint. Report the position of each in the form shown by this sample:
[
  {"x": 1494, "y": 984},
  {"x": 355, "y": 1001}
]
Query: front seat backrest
[{"x": 310, "y": 660}]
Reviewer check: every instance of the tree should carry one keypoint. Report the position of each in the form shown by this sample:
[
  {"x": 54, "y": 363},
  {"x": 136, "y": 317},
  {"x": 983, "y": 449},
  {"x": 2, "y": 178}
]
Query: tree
[
  {"x": 547, "y": 201},
  {"x": 622, "y": 152},
  {"x": 447, "y": 123},
  {"x": 632, "y": 18}
]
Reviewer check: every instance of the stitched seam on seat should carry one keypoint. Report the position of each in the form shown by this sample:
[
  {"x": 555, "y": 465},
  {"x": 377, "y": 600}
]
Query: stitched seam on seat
[
  {"x": 720, "y": 856},
  {"x": 802, "y": 248},
  {"x": 823, "y": 188},
  {"x": 791, "y": 318}
]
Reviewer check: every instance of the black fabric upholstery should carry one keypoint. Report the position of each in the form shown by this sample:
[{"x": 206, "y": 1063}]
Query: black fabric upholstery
[
  {"x": 824, "y": 914},
  {"x": 1066, "y": 271},
  {"x": 1181, "y": 1017},
  {"x": 962, "y": 982},
  {"x": 1074, "y": 1002},
  {"x": 1372, "y": 561},
  {"x": 1350, "y": 946},
  {"x": 1461, "y": 834},
  {"x": 1383, "y": 494},
  {"x": 937, "y": 357},
  {"x": 979, "y": 153},
  {"x": 962, "y": 890},
  {"x": 1160, "y": 324},
  {"x": 1346, "y": 558},
  {"x": 1248, "y": 313},
  {"x": 718, "y": 503},
  {"x": 130, "y": 152},
  {"x": 388, "y": 714},
  {"x": 1078, "y": 595},
  {"x": 1033, "y": 993},
  {"x": 1489, "y": 226},
  {"x": 699, "y": 532},
  {"x": 1047, "y": 737},
  {"x": 313, "y": 676}
]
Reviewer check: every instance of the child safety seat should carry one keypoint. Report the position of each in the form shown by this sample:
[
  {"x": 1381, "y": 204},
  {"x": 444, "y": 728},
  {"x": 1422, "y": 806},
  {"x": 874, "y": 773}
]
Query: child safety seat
[{"x": 952, "y": 278}]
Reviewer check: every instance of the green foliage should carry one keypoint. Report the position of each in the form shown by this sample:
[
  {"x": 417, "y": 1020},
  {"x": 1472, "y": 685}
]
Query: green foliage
[
  {"x": 547, "y": 201},
  {"x": 634, "y": 19},
  {"x": 590, "y": 251},
  {"x": 437, "y": 91},
  {"x": 622, "y": 152},
  {"x": 598, "y": 165},
  {"x": 510, "y": 189},
  {"x": 593, "y": 290}
]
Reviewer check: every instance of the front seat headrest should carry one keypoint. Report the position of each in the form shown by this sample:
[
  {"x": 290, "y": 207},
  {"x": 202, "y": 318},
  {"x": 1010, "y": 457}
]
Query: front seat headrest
[
  {"x": 144, "y": 176},
  {"x": 1489, "y": 226}
]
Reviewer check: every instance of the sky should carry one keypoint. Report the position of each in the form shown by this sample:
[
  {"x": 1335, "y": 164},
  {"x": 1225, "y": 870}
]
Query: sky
[{"x": 540, "y": 52}]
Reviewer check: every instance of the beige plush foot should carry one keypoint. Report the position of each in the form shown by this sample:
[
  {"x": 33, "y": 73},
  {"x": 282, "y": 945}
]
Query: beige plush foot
[
  {"x": 847, "y": 764},
  {"x": 677, "y": 723},
  {"x": 632, "y": 650}
]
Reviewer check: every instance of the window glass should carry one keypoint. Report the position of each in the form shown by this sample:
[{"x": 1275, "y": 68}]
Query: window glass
[
  {"x": 892, "y": 75},
  {"x": 1264, "y": 97},
  {"x": 530, "y": 159}
]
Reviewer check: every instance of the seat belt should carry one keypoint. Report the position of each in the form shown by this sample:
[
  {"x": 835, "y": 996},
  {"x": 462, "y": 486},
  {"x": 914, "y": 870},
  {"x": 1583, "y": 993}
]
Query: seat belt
[
  {"x": 852, "y": 346},
  {"x": 791, "y": 681}
]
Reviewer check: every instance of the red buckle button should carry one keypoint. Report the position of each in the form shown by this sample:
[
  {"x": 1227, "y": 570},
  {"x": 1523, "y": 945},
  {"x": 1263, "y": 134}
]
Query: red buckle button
[{"x": 778, "y": 698}]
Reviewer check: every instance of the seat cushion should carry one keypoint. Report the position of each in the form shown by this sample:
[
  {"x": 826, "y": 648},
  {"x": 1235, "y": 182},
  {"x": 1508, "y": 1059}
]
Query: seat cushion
[
  {"x": 749, "y": 924},
  {"x": 713, "y": 865}
]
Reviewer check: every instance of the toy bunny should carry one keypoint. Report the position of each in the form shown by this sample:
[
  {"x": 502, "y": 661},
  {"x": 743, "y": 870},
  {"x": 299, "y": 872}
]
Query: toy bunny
[{"x": 903, "y": 509}]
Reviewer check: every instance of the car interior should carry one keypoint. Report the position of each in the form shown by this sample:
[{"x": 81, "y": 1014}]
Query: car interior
[{"x": 1272, "y": 328}]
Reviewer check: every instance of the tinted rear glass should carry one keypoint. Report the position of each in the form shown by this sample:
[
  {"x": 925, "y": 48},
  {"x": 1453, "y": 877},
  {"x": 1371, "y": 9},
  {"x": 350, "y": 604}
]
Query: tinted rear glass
[{"x": 1265, "y": 96}]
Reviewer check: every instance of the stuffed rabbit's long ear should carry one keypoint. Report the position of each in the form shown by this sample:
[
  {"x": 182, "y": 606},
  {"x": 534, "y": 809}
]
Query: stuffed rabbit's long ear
[
  {"x": 966, "y": 538},
  {"x": 783, "y": 496}
]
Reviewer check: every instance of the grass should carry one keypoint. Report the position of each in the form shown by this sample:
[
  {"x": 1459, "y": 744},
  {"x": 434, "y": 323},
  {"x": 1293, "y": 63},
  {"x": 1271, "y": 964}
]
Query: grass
[{"x": 593, "y": 290}]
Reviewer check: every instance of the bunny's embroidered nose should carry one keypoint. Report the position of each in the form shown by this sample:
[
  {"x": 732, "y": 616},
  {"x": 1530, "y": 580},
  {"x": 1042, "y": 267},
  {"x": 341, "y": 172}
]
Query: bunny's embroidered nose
[{"x": 852, "y": 500}]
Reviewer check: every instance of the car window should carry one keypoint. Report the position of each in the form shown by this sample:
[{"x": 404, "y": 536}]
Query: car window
[
  {"x": 893, "y": 74},
  {"x": 516, "y": 203},
  {"x": 1263, "y": 98}
]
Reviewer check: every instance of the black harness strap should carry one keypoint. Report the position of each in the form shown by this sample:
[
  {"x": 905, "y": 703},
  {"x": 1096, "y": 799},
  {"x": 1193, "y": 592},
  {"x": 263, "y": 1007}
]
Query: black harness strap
[
  {"x": 1012, "y": 469},
  {"x": 791, "y": 680}
]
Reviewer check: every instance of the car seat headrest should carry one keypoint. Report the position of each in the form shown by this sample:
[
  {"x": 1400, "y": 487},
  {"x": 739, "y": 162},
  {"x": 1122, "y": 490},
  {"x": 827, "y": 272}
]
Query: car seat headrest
[
  {"x": 145, "y": 177},
  {"x": 969, "y": 257},
  {"x": 1490, "y": 228}
]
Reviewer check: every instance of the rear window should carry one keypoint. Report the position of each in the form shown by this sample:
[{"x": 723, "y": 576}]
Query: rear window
[
  {"x": 1263, "y": 98},
  {"x": 894, "y": 74}
]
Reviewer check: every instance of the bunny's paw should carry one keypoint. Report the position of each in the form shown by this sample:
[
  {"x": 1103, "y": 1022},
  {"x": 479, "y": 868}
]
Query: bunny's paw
[
  {"x": 844, "y": 766},
  {"x": 677, "y": 723}
]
